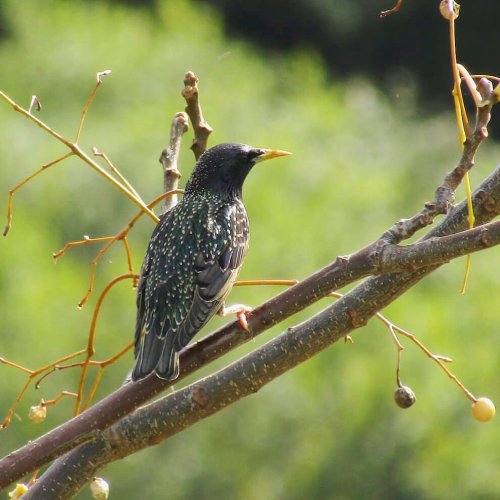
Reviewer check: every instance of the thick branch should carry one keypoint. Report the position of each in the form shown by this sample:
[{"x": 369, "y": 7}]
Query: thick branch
[
  {"x": 438, "y": 250},
  {"x": 170, "y": 415},
  {"x": 44, "y": 449},
  {"x": 379, "y": 257}
]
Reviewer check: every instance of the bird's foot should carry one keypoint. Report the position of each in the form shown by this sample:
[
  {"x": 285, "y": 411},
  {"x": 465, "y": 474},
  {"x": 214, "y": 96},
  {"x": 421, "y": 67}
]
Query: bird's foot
[{"x": 241, "y": 312}]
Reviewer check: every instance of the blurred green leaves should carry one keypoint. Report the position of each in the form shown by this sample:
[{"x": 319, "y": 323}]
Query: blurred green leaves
[{"x": 329, "y": 429}]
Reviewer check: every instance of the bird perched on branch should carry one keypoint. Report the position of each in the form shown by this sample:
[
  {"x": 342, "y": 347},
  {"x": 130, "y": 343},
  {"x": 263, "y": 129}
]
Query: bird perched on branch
[{"x": 193, "y": 259}]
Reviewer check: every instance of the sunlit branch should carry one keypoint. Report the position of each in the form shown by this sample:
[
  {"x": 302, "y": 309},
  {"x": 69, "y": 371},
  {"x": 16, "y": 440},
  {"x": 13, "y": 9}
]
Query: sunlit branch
[
  {"x": 121, "y": 235},
  {"x": 90, "y": 351},
  {"x": 10, "y": 208},
  {"x": 75, "y": 149},
  {"x": 113, "y": 169},
  {"x": 89, "y": 102},
  {"x": 32, "y": 375}
]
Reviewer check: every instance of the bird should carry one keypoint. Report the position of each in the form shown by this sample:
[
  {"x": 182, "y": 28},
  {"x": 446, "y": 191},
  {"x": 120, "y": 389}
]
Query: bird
[{"x": 193, "y": 258}]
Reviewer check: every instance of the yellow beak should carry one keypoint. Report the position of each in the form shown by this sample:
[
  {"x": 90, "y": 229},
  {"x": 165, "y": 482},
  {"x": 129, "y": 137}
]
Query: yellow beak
[{"x": 268, "y": 154}]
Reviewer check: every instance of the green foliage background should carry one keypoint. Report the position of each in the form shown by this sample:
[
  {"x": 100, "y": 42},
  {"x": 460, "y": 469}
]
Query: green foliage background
[{"x": 328, "y": 429}]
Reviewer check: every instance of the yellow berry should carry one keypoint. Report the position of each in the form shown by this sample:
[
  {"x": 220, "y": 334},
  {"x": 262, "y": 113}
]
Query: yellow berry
[
  {"x": 483, "y": 409},
  {"x": 404, "y": 397},
  {"x": 38, "y": 413}
]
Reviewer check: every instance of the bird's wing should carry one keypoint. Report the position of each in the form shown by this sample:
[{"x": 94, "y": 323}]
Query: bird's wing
[
  {"x": 156, "y": 291},
  {"x": 179, "y": 293}
]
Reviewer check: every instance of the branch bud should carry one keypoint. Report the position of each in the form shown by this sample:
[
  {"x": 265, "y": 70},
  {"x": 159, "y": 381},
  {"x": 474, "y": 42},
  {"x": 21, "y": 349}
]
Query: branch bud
[{"x": 449, "y": 9}]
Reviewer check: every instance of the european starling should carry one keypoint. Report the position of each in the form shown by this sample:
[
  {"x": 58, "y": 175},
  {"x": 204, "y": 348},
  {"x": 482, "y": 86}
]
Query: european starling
[{"x": 193, "y": 258}]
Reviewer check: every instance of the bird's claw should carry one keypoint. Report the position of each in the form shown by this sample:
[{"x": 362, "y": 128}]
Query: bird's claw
[
  {"x": 241, "y": 312},
  {"x": 242, "y": 319}
]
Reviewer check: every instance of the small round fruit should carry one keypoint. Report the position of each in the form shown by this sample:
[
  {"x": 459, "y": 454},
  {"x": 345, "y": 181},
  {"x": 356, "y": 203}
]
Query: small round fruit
[
  {"x": 38, "y": 414},
  {"x": 99, "y": 488},
  {"x": 483, "y": 409},
  {"x": 404, "y": 397},
  {"x": 449, "y": 9}
]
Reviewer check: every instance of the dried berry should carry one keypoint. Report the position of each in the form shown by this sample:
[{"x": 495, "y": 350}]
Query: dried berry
[
  {"x": 404, "y": 397},
  {"x": 38, "y": 413}
]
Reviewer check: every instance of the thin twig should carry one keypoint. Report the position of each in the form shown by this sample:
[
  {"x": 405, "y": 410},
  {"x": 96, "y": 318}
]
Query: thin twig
[
  {"x": 10, "y": 209},
  {"x": 89, "y": 102},
  {"x": 113, "y": 169},
  {"x": 394, "y": 9},
  {"x": 445, "y": 193},
  {"x": 90, "y": 351},
  {"x": 111, "y": 240},
  {"x": 75, "y": 149},
  {"x": 58, "y": 398},
  {"x": 266, "y": 282},
  {"x": 32, "y": 375}
]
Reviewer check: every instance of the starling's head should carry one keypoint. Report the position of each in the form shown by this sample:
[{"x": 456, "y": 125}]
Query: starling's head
[{"x": 224, "y": 167}]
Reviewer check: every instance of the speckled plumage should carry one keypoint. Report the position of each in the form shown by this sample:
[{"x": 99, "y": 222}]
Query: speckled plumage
[{"x": 193, "y": 258}]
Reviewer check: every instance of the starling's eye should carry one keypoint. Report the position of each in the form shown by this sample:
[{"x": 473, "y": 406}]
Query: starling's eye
[{"x": 254, "y": 153}]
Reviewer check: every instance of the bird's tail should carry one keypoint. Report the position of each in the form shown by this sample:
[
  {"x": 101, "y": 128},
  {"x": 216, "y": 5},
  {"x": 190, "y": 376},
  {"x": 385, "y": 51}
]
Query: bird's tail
[{"x": 156, "y": 354}]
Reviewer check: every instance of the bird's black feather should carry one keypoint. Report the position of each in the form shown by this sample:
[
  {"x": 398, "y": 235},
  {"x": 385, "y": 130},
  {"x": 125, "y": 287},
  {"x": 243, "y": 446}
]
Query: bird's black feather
[{"x": 193, "y": 259}]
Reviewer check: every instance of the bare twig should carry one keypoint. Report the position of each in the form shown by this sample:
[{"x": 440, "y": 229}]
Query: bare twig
[
  {"x": 438, "y": 359},
  {"x": 111, "y": 240},
  {"x": 10, "y": 208},
  {"x": 169, "y": 159},
  {"x": 35, "y": 103},
  {"x": 90, "y": 351},
  {"x": 445, "y": 194},
  {"x": 32, "y": 374},
  {"x": 394, "y": 9},
  {"x": 89, "y": 102},
  {"x": 76, "y": 150},
  {"x": 201, "y": 128},
  {"x": 113, "y": 169}
]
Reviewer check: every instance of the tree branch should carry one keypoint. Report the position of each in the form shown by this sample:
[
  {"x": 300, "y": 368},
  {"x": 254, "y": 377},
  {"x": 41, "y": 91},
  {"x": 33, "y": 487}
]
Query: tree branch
[
  {"x": 169, "y": 158},
  {"x": 201, "y": 128},
  {"x": 336, "y": 275},
  {"x": 382, "y": 256},
  {"x": 445, "y": 193},
  {"x": 175, "y": 412},
  {"x": 77, "y": 150}
]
